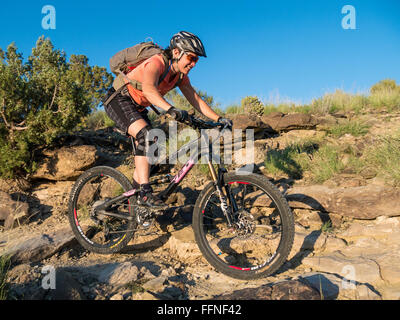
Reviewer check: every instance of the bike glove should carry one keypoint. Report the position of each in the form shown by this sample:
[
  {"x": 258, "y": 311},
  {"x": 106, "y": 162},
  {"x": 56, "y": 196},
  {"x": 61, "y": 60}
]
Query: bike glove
[
  {"x": 226, "y": 121},
  {"x": 178, "y": 114}
]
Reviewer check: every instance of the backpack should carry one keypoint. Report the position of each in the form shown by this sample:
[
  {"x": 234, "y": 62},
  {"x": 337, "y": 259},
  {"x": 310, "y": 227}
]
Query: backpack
[{"x": 128, "y": 59}]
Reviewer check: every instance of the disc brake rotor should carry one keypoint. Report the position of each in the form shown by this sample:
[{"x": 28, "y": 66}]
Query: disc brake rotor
[{"x": 245, "y": 224}]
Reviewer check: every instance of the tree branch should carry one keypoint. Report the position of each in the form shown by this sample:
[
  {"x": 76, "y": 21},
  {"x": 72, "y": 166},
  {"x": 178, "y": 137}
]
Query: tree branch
[
  {"x": 52, "y": 101},
  {"x": 2, "y": 113},
  {"x": 11, "y": 126}
]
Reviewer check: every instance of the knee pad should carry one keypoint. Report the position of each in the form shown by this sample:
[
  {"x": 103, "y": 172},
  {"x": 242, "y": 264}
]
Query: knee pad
[{"x": 143, "y": 144}]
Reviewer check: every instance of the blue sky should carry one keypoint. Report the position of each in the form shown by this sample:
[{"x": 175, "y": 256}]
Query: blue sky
[{"x": 277, "y": 50}]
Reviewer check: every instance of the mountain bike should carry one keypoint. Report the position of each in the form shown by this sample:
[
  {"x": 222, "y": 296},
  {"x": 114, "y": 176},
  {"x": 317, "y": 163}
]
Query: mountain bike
[{"x": 242, "y": 223}]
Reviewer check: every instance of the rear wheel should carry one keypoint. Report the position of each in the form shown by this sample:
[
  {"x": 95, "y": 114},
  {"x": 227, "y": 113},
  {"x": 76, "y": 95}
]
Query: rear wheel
[
  {"x": 260, "y": 238},
  {"x": 94, "y": 231}
]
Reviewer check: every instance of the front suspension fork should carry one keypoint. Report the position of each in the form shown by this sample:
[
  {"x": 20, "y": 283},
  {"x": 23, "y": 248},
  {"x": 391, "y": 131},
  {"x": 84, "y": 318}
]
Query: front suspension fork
[{"x": 224, "y": 192}]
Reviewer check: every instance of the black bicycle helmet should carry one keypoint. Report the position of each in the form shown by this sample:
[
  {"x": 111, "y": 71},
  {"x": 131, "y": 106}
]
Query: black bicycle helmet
[{"x": 186, "y": 41}]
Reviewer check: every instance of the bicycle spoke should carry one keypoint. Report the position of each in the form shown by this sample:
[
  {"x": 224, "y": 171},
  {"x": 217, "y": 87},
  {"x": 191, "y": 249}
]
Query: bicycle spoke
[
  {"x": 102, "y": 230},
  {"x": 253, "y": 239}
]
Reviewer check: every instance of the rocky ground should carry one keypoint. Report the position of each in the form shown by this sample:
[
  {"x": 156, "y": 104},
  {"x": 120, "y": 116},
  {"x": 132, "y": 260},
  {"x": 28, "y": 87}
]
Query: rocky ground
[{"x": 346, "y": 243}]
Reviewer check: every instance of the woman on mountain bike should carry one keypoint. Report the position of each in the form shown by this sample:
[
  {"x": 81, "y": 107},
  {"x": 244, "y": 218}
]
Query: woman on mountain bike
[{"x": 129, "y": 110}]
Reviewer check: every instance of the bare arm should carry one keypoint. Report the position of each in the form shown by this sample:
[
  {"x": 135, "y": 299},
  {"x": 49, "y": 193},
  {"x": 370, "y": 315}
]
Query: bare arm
[
  {"x": 149, "y": 87},
  {"x": 197, "y": 102}
]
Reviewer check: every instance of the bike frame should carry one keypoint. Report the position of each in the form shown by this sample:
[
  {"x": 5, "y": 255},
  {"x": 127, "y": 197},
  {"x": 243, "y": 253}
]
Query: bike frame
[{"x": 217, "y": 177}]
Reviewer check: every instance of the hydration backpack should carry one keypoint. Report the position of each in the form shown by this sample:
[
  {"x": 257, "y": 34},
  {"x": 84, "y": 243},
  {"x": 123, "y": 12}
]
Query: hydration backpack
[{"x": 128, "y": 59}]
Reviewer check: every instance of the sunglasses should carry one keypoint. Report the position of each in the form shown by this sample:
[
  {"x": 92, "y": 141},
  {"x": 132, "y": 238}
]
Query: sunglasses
[{"x": 192, "y": 58}]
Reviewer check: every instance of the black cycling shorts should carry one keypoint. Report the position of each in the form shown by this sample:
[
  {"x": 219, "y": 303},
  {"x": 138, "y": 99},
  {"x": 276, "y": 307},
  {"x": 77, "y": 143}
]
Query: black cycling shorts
[{"x": 123, "y": 110}]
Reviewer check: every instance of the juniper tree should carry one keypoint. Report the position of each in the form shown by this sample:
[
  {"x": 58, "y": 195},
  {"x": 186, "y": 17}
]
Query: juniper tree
[{"x": 42, "y": 98}]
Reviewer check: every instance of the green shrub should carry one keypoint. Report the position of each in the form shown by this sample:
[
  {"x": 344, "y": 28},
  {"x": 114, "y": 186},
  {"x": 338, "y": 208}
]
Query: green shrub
[
  {"x": 292, "y": 160},
  {"x": 42, "y": 98},
  {"x": 383, "y": 158},
  {"x": 286, "y": 108},
  {"x": 321, "y": 161},
  {"x": 385, "y": 99},
  {"x": 98, "y": 120},
  {"x": 338, "y": 101},
  {"x": 354, "y": 127},
  {"x": 5, "y": 263},
  {"x": 326, "y": 163},
  {"x": 385, "y": 85},
  {"x": 252, "y": 105}
]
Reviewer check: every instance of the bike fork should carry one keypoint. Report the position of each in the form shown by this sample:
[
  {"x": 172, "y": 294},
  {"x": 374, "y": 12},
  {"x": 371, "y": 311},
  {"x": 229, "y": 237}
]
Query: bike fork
[{"x": 218, "y": 182}]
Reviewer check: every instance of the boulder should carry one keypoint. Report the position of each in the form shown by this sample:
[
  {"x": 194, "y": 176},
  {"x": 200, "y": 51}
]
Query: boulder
[
  {"x": 67, "y": 288},
  {"x": 280, "y": 122},
  {"x": 247, "y": 121},
  {"x": 65, "y": 163},
  {"x": 183, "y": 246},
  {"x": 332, "y": 287},
  {"x": 36, "y": 248},
  {"x": 364, "y": 202},
  {"x": 285, "y": 290},
  {"x": 15, "y": 185},
  {"x": 118, "y": 274},
  {"x": 12, "y": 211},
  {"x": 358, "y": 269},
  {"x": 315, "y": 241}
]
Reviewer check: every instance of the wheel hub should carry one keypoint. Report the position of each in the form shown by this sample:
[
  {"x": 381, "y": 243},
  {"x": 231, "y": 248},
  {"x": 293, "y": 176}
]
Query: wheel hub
[
  {"x": 94, "y": 215},
  {"x": 245, "y": 224}
]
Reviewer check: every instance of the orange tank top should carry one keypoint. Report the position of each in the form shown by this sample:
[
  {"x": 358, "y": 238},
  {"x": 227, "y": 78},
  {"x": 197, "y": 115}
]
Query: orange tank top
[{"x": 166, "y": 85}]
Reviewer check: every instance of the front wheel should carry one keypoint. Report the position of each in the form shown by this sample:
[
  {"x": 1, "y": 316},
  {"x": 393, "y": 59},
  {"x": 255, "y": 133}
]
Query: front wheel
[{"x": 260, "y": 236}]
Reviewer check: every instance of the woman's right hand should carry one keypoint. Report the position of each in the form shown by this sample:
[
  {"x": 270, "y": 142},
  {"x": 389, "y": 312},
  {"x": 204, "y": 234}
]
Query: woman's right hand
[{"x": 178, "y": 114}]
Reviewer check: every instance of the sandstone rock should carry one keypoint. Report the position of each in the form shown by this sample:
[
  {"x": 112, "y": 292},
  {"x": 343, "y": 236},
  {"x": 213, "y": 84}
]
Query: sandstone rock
[
  {"x": 247, "y": 121},
  {"x": 156, "y": 284},
  {"x": 20, "y": 274},
  {"x": 117, "y": 297},
  {"x": 331, "y": 287},
  {"x": 365, "y": 202},
  {"x": 383, "y": 229},
  {"x": 391, "y": 293},
  {"x": 363, "y": 270},
  {"x": 39, "y": 247},
  {"x": 313, "y": 219},
  {"x": 325, "y": 122},
  {"x": 285, "y": 290},
  {"x": 118, "y": 274},
  {"x": 315, "y": 241},
  {"x": 12, "y": 212},
  {"x": 389, "y": 264},
  {"x": 65, "y": 163},
  {"x": 298, "y": 135},
  {"x": 67, "y": 288},
  {"x": 144, "y": 296},
  {"x": 14, "y": 185},
  {"x": 280, "y": 122},
  {"x": 182, "y": 245}
]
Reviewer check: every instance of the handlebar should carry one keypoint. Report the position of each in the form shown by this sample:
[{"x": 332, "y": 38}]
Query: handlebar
[{"x": 199, "y": 124}]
